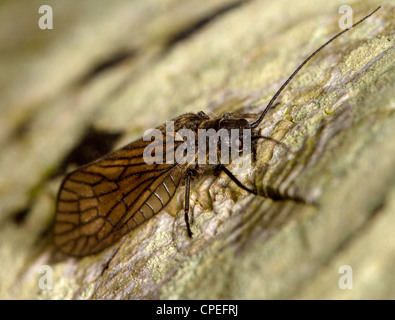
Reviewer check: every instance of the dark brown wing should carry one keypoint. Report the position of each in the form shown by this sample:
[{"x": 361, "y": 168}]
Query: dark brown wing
[{"x": 100, "y": 202}]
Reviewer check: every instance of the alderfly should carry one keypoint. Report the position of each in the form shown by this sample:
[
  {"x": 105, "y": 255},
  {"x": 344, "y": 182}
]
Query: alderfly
[{"x": 104, "y": 200}]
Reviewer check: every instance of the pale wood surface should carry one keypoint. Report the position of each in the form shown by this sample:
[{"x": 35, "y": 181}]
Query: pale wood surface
[{"x": 337, "y": 182}]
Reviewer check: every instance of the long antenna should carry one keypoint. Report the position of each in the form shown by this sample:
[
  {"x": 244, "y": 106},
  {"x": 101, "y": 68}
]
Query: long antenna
[{"x": 258, "y": 121}]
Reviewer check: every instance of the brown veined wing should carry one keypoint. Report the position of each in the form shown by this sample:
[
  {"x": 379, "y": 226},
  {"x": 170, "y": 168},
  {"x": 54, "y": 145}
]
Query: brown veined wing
[{"x": 102, "y": 201}]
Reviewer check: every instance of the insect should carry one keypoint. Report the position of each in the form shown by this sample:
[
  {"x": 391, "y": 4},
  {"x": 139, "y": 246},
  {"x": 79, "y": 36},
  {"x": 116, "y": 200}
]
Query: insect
[{"x": 104, "y": 200}]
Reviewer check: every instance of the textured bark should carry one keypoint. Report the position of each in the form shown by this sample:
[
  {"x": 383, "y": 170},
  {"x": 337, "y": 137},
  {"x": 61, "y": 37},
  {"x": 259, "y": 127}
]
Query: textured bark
[{"x": 126, "y": 66}]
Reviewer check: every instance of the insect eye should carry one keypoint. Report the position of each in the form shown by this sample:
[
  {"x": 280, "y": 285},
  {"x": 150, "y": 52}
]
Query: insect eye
[{"x": 238, "y": 144}]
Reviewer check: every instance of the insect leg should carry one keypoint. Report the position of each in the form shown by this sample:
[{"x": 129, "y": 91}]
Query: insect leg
[
  {"x": 187, "y": 194},
  {"x": 114, "y": 255},
  {"x": 220, "y": 168},
  {"x": 271, "y": 139}
]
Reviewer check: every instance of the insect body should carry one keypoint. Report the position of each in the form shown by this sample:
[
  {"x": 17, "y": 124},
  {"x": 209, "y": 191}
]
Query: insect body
[{"x": 106, "y": 199}]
